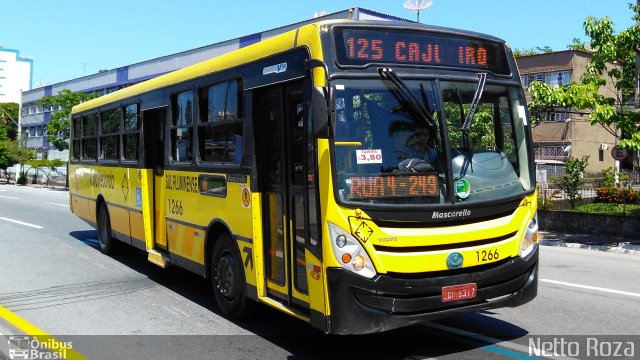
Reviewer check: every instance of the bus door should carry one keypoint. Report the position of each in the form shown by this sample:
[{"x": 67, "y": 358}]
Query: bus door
[
  {"x": 281, "y": 150},
  {"x": 153, "y": 122}
]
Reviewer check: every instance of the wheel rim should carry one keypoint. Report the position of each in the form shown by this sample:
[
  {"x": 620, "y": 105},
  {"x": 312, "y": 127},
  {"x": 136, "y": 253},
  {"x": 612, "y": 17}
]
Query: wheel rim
[{"x": 226, "y": 276}]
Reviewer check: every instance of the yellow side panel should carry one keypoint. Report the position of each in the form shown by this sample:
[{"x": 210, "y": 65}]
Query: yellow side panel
[
  {"x": 186, "y": 241},
  {"x": 81, "y": 207},
  {"x": 121, "y": 188},
  {"x": 136, "y": 221},
  {"x": 119, "y": 220},
  {"x": 92, "y": 212}
]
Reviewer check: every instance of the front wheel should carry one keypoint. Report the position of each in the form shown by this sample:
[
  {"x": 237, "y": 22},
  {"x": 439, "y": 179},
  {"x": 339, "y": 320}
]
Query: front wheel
[{"x": 227, "y": 278}]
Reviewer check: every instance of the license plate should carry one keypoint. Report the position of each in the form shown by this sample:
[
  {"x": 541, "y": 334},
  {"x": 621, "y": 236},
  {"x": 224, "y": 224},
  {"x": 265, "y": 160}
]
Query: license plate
[{"x": 459, "y": 292}]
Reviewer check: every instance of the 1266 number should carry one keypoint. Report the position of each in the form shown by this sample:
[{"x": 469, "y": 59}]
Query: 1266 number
[
  {"x": 490, "y": 255},
  {"x": 175, "y": 206}
]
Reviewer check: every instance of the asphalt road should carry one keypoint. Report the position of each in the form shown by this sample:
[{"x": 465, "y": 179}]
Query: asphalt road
[{"x": 53, "y": 276}]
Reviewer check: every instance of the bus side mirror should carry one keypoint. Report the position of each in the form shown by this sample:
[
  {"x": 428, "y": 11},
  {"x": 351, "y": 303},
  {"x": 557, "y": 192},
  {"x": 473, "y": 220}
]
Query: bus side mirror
[
  {"x": 319, "y": 113},
  {"x": 320, "y": 97}
]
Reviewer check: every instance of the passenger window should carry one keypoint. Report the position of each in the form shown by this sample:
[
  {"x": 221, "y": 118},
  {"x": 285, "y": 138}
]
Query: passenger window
[
  {"x": 182, "y": 127},
  {"x": 76, "y": 138},
  {"x": 90, "y": 137},
  {"x": 220, "y": 124},
  {"x": 131, "y": 133},
  {"x": 110, "y": 134}
]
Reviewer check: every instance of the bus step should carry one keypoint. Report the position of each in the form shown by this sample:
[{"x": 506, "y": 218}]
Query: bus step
[
  {"x": 157, "y": 258},
  {"x": 278, "y": 305}
]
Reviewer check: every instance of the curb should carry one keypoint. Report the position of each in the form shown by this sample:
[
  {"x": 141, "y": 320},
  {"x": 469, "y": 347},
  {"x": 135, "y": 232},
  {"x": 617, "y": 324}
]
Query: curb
[{"x": 622, "y": 248}]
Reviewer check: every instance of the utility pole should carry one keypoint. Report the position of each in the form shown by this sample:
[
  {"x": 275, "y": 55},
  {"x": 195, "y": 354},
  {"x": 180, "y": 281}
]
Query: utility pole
[{"x": 637, "y": 97}]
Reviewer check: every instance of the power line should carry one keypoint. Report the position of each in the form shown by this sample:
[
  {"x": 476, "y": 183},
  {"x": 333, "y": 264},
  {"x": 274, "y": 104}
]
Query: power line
[{"x": 9, "y": 116}]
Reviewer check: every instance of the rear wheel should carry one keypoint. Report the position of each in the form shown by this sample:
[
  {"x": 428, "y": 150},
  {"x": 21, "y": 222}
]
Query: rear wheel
[
  {"x": 107, "y": 242},
  {"x": 227, "y": 278}
]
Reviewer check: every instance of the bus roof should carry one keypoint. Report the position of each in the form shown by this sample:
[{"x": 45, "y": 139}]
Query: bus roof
[{"x": 273, "y": 45}]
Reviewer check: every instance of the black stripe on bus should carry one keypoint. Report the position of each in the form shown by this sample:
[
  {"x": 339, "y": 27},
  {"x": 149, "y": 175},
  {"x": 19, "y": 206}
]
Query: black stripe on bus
[{"x": 453, "y": 246}]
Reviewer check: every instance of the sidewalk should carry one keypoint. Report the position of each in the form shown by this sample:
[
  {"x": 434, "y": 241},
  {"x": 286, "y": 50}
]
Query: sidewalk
[
  {"x": 3, "y": 181},
  {"x": 592, "y": 242}
]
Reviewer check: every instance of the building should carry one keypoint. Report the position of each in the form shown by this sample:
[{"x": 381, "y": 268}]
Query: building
[
  {"x": 566, "y": 132},
  {"x": 16, "y": 75},
  {"x": 34, "y": 118}
]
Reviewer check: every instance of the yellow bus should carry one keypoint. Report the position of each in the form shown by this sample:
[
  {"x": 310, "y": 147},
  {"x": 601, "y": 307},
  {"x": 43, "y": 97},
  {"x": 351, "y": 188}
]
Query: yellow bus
[{"x": 358, "y": 175}]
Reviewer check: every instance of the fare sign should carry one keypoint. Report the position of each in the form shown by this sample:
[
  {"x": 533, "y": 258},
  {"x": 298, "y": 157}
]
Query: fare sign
[{"x": 364, "y": 46}]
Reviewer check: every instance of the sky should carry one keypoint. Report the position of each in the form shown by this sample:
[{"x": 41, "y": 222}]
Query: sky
[{"x": 71, "y": 38}]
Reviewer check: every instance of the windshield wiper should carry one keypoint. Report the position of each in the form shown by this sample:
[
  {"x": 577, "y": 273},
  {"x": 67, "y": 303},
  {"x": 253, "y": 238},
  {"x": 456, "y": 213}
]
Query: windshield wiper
[
  {"x": 407, "y": 96},
  {"x": 475, "y": 102},
  {"x": 466, "y": 125}
]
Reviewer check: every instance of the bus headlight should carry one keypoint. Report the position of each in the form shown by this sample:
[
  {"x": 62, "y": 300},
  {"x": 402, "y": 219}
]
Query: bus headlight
[
  {"x": 350, "y": 253},
  {"x": 530, "y": 238}
]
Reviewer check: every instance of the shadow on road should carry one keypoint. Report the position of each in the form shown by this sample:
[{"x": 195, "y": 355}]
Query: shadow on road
[{"x": 277, "y": 332}]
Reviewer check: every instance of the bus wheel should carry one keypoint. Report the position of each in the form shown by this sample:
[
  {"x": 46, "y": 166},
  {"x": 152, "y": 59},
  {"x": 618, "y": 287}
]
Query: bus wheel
[
  {"x": 105, "y": 237},
  {"x": 227, "y": 278}
]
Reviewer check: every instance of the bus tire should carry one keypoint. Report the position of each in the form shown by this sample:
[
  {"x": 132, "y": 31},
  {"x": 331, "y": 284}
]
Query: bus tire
[
  {"x": 227, "y": 278},
  {"x": 105, "y": 236}
]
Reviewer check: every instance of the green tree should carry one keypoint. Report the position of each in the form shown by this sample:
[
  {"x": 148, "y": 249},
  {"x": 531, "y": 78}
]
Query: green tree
[
  {"x": 18, "y": 154},
  {"x": 611, "y": 66},
  {"x": 9, "y": 119},
  {"x": 5, "y": 154},
  {"x": 58, "y": 129},
  {"x": 532, "y": 51},
  {"x": 573, "y": 179}
]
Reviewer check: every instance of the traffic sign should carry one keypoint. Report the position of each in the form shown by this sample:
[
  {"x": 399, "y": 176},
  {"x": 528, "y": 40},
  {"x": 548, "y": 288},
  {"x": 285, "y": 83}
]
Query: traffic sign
[{"x": 619, "y": 153}]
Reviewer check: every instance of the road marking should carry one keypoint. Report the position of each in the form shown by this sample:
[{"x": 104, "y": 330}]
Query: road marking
[
  {"x": 44, "y": 338},
  {"x": 613, "y": 291},
  {"x": 9, "y": 197},
  {"x": 65, "y": 205},
  {"x": 21, "y": 223}
]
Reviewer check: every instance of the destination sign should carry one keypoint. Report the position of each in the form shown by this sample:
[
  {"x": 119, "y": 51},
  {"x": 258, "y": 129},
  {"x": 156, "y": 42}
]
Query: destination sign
[
  {"x": 363, "y": 46},
  {"x": 393, "y": 186}
]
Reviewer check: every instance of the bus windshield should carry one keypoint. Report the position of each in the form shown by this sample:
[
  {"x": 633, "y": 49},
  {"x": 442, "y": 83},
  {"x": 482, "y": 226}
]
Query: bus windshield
[{"x": 390, "y": 150}]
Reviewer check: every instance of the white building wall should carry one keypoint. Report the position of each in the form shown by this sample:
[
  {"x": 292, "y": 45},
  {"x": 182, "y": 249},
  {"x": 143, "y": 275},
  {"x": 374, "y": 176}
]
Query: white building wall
[{"x": 15, "y": 75}]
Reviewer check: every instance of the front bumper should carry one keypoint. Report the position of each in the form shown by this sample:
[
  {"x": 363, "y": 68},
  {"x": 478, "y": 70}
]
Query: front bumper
[{"x": 360, "y": 305}]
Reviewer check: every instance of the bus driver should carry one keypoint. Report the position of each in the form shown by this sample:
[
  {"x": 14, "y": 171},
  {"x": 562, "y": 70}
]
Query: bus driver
[{"x": 420, "y": 153}]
